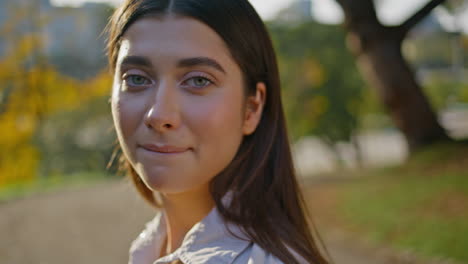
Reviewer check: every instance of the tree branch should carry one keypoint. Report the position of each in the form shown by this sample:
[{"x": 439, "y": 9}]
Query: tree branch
[
  {"x": 358, "y": 12},
  {"x": 406, "y": 26}
]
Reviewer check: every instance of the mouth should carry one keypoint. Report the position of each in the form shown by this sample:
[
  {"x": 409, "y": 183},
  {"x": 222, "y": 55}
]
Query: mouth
[{"x": 163, "y": 149}]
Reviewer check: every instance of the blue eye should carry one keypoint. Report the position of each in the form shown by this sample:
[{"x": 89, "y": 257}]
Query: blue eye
[
  {"x": 137, "y": 80},
  {"x": 199, "y": 82}
]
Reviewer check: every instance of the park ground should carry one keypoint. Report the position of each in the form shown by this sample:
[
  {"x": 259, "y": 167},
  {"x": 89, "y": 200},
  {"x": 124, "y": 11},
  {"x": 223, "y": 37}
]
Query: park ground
[{"x": 410, "y": 214}]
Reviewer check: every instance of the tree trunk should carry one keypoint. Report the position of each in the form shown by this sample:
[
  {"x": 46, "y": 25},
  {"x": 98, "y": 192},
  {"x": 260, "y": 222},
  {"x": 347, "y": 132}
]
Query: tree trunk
[{"x": 379, "y": 58}]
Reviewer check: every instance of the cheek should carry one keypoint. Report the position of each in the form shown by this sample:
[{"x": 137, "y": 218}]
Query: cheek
[
  {"x": 126, "y": 114},
  {"x": 217, "y": 123}
]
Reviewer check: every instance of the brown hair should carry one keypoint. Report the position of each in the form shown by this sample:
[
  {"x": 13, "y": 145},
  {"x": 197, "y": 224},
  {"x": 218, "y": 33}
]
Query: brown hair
[{"x": 266, "y": 200}]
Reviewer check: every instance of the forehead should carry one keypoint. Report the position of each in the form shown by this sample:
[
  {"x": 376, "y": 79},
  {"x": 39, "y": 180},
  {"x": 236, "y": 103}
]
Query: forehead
[{"x": 173, "y": 37}]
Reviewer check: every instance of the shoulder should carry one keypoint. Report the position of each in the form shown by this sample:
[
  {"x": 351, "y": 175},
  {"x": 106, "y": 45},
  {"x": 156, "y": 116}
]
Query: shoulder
[
  {"x": 148, "y": 232},
  {"x": 141, "y": 249},
  {"x": 254, "y": 254}
]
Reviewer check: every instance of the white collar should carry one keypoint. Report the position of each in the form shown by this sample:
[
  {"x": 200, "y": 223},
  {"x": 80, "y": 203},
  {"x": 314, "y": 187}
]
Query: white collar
[{"x": 208, "y": 241}]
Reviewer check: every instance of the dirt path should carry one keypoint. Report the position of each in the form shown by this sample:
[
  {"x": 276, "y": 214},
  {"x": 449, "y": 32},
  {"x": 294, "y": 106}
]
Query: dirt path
[
  {"x": 91, "y": 225},
  {"x": 95, "y": 225}
]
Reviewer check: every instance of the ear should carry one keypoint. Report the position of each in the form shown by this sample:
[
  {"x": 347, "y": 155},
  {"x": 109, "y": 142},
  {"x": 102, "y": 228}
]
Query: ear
[{"x": 254, "y": 109}]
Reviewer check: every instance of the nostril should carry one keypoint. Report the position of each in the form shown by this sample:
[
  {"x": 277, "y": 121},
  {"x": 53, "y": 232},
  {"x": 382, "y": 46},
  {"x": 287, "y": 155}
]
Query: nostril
[{"x": 163, "y": 126}]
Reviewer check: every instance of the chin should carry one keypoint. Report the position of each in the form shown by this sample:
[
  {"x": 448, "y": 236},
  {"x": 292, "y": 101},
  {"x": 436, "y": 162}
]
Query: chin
[{"x": 163, "y": 183}]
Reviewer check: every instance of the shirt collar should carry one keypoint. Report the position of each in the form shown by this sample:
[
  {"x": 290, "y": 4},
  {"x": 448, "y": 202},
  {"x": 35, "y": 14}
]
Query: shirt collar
[{"x": 208, "y": 241}]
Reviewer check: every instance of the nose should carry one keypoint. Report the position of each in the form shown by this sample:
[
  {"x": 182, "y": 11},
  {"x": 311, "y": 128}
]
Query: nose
[{"x": 163, "y": 112}]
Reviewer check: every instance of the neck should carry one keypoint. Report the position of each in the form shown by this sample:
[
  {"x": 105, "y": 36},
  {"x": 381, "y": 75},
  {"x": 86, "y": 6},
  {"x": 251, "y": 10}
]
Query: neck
[{"x": 182, "y": 212}]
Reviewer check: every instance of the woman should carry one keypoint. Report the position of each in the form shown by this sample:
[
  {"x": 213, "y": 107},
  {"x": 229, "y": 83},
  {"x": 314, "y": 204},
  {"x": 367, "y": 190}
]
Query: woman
[{"x": 197, "y": 110}]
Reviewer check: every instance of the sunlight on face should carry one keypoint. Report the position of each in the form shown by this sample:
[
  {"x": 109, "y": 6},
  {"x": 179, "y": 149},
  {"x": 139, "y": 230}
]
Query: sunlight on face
[{"x": 177, "y": 103}]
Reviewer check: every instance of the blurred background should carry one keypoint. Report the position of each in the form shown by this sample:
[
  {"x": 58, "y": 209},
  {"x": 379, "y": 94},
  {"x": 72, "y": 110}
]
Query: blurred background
[{"x": 376, "y": 97}]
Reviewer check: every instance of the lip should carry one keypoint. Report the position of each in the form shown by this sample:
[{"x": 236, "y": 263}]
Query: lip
[{"x": 164, "y": 149}]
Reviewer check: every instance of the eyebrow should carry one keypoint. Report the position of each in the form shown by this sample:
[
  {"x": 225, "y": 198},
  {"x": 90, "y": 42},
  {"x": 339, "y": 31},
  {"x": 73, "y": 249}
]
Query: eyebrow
[
  {"x": 184, "y": 63},
  {"x": 200, "y": 61},
  {"x": 136, "y": 60}
]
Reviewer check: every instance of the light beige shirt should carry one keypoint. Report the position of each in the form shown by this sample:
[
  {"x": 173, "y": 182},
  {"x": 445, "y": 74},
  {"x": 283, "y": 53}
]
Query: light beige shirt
[{"x": 208, "y": 242}]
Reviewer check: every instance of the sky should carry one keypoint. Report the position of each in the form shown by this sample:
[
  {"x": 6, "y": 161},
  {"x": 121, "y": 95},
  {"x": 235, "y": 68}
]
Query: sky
[{"x": 326, "y": 11}]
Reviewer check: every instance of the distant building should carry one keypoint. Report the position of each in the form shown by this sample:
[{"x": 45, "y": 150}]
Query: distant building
[
  {"x": 19, "y": 10},
  {"x": 299, "y": 10},
  {"x": 437, "y": 53},
  {"x": 428, "y": 26},
  {"x": 75, "y": 41},
  {"x": 72, "y": 37}
]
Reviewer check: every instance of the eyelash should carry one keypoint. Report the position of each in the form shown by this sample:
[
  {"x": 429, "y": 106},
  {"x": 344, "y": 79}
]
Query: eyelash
[
  {"x": 126, "y": 80},
  {"x": 199, "y": 76},
  {"x": 149, "y": 82}
]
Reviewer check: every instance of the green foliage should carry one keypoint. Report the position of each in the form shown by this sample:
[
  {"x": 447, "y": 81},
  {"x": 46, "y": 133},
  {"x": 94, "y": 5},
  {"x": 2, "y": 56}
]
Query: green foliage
[
  {"x": 464, "y": 93},
  {"x": 32, "y": 94},
  {"x": 422, "y": 206},
  {"x": 322, "y": 89},
  {"x": 444, "y": 91},
  {"x": 77, "y": 140},
  {"x": 432, "y": 51}
]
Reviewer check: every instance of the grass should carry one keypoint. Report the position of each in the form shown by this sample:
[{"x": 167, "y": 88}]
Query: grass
[
  {"x": 421, "y": 206},
  {"x": 49, "y": 184}
]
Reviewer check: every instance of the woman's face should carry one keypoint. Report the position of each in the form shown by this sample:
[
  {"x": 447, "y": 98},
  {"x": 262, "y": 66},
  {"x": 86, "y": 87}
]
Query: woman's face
[{"x": 178, "y": 103}]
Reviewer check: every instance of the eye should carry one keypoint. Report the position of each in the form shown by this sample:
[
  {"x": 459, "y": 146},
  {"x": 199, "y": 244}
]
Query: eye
[
  {"x": 198, "y": 82},
  {"x": 136, "y": 80}
]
